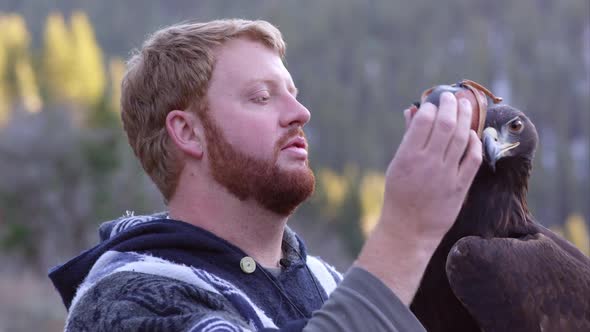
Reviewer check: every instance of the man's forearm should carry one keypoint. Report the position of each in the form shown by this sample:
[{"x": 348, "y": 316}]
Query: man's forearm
[
  {"x": 426, "y": 184},
  {"x": 363, "y": 303},
  {"x": 398, "y": 259}
]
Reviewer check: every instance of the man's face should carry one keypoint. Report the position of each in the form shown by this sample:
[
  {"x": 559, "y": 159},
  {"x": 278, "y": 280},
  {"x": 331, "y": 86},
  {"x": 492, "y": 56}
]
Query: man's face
[{"x": 255, "y": 143}]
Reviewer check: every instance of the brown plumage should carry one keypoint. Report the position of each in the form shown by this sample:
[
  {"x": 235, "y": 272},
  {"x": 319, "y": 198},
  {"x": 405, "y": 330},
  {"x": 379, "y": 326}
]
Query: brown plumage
[{"x": 497, "y": 269}]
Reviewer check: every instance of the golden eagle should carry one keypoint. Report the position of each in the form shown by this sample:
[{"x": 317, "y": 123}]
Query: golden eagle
[{"x": 497, "y": 269}]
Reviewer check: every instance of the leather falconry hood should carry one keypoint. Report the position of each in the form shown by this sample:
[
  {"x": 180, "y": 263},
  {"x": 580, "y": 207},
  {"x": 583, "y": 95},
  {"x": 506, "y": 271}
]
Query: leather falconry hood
[{"x": 476, "y": 93}]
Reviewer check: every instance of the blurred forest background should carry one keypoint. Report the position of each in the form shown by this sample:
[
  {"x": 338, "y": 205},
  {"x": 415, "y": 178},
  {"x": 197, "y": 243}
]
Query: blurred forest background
[{"x": 65, "y": 165}]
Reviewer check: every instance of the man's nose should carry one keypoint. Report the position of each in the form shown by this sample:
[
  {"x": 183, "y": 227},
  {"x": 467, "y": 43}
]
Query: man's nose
[{"x": 294, "y": 113}]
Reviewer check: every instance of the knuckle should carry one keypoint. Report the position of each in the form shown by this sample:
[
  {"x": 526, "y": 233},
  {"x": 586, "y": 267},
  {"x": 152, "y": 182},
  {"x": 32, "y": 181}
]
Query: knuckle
[
  {"x": 461, "y": 187},
  {"x": 447, "y": 125},
  {"x": 424, "y": 119},
  {"x": 461, "y": 140},
  {"x": 478, "y": 158},
  {"x": 475, "y": 158},
  {"x": 477, "y": 150},
  {"x": 478, "y": 145}
]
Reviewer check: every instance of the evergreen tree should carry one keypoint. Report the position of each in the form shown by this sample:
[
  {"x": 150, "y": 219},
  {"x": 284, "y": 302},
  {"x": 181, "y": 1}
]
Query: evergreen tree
[
  {"x": 371, "y": 193},
  {"x": 87, "y": 63},
  {"x": 58, "y": 56},
  {"x": 73, "y": 62},
  {"x": 18, "y": 85},
  {"x": 4, "y": 93},
  {"x": 27, "y": 85}
]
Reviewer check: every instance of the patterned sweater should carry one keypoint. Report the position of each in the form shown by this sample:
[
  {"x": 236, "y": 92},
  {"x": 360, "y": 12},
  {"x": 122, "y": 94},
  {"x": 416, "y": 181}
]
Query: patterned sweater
[{"x": 151, "y": 273}]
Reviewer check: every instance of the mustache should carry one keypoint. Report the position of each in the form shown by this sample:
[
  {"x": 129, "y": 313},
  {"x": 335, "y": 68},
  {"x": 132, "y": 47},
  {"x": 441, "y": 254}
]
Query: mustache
[{"x": 292, "y": 133}]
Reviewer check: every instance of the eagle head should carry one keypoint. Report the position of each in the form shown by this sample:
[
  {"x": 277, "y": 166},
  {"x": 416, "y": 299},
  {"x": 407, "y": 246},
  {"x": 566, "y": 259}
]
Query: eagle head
[{"x": 508, "y": 134}]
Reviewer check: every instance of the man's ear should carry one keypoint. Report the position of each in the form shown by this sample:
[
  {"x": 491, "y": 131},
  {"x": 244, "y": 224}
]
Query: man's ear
[{"x": 184, "y": 130}]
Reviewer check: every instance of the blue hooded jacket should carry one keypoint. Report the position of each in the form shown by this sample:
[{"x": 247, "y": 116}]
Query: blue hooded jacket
[{"x": 158, "y": 246}]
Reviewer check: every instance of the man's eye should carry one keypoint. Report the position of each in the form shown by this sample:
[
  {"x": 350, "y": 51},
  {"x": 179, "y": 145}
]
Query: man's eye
[{"x": 263, "y": 98}]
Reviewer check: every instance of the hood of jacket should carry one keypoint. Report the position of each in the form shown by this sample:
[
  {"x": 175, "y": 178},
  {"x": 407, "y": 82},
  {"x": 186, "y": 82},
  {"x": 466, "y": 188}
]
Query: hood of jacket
[{"x": 173, "y": 240}]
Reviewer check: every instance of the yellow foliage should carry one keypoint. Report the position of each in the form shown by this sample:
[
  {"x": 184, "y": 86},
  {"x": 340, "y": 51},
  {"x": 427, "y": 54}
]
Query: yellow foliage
[
  {"x": 73, "y": 65},
  {"x": 335, "y": 188},
  {"x": 372, "y": 189},
  {"x": 3, "y": 53},
  {"x": 14, "y": 33},
  {"x": 58, "y": 58},
  {"x": 577, "y": 233},
  {"x": 17, "y": 78},
  {"x": 27, "y": 86},
  {"x": 4, "y": 94},
  {"x": 117, "y": 70},
  {"x": 87, "y": 63}
]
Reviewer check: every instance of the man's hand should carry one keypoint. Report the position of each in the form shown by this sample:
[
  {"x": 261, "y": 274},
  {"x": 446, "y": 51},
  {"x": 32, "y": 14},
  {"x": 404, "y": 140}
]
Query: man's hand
[
  {"x": 428, "y": 179},
  {"x": 426, "y": 184}
]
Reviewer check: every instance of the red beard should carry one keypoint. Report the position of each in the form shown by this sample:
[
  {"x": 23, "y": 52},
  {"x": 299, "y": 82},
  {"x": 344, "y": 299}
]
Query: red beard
[{"x": 276, "y": 189}]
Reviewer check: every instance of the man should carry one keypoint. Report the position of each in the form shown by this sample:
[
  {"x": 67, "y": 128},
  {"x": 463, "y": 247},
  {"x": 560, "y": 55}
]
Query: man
[{"x": 212, "y": 114}]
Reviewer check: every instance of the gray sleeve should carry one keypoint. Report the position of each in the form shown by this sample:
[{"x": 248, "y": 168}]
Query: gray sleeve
[
  {"x": 363, "y": 303},
  {"x": 132, "y": 301}
]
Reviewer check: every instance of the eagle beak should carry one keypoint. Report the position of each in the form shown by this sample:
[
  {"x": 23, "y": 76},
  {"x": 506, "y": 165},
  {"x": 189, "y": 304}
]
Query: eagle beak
[{"x": 496, "y": 146}]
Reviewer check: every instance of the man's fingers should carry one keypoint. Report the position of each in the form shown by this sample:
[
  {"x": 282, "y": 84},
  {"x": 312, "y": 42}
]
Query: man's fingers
[
  {"x": 460, "y": 138},
  {"x": 407, "y": 116},
  {"x": 419, "y": 128},
  {"x": 444, "y": 125},
  {"x": 471, "y": 161}
]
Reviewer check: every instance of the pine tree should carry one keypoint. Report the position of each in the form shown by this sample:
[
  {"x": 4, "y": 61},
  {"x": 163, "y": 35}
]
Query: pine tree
[
  {"x": 59, "y": 80},
  {"x": 333, "y": 189},
  {"x": 4, "y": 93},
  {"x": 27, "y": 85},
  {"x": 88, "y": 65},
  {"x": 73, "y": 62},
  {"x": 18, "y": 85},
  {"x": 372, "y": 191}
]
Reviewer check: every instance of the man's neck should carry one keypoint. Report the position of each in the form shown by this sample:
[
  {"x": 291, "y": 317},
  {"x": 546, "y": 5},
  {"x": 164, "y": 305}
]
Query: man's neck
[{"x": 245, "y": 224}]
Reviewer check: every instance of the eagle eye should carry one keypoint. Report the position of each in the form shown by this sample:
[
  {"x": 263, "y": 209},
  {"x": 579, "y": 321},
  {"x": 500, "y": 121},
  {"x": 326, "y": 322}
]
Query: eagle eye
[{"x": 516, "y": 126}]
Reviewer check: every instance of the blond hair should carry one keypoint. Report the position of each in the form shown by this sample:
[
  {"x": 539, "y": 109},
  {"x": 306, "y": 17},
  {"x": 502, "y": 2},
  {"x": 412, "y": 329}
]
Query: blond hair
[{"x": 172, "y": 72}]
